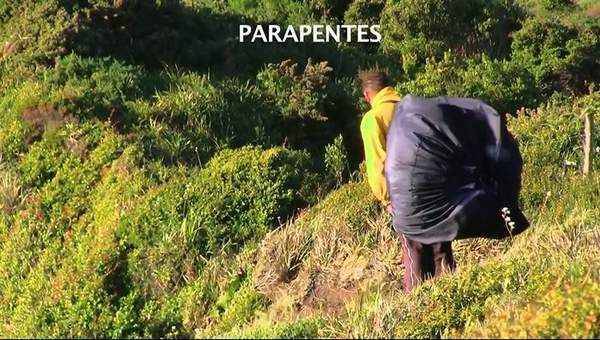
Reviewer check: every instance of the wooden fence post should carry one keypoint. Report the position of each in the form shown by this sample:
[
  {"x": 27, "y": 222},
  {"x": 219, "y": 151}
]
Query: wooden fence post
[{"x": 588, "y": 142}]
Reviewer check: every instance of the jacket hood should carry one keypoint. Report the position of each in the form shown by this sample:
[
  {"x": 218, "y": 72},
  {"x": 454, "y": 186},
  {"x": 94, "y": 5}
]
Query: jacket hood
[{"x": 386, "y": 94}]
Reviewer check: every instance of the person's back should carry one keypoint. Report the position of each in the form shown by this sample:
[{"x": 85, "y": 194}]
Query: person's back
[{"x": 374, "y": 126}]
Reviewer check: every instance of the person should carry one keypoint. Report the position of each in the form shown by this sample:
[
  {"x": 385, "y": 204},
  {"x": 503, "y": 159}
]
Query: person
[
  {"x": 419, "y": 260},
  {"x": 445, "y": 168},
  {"x": 453, "y": 171},
  {"x": 373, "y": 128}
]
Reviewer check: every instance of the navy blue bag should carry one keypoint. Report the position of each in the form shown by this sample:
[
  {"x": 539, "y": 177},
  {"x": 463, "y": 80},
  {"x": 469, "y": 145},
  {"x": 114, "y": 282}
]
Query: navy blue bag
[{"x": 453, "y": 171}]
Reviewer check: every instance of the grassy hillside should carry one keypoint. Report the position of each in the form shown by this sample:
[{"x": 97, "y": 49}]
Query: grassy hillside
[{"x": 160, "y": 179}]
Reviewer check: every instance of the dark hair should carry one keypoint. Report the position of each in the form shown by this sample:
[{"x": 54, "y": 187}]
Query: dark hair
[{"x": 374, "y": 80}]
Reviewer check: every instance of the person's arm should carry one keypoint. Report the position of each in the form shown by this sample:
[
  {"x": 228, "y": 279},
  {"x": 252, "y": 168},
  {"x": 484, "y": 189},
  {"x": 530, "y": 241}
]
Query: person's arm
[{"x": 373, "y": 135}]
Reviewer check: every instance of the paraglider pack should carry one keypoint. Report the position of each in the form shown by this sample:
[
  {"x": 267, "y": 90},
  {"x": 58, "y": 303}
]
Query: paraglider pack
[{"x": 453, "y": 171}]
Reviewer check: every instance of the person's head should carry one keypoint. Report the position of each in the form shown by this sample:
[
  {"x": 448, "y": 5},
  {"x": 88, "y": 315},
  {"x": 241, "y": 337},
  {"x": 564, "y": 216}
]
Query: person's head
[{"x": 372, "y": 82}]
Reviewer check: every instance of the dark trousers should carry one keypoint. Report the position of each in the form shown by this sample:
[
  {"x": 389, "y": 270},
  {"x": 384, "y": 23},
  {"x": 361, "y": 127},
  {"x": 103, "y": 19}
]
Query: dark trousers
[{"x": 424, "y": 261}]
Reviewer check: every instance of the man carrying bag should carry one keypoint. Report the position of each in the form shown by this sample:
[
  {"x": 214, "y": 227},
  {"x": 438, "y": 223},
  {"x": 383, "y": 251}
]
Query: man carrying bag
[{"x": 453, "y": 171}]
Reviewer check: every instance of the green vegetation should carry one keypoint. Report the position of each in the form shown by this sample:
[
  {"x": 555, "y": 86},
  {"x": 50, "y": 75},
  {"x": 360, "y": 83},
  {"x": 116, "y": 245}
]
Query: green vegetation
[{"x": 160, "y": 179}]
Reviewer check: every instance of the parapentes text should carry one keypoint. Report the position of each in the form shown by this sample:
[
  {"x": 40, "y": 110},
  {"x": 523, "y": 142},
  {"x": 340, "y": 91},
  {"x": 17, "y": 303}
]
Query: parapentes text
[{"x": 314, "y": 33}]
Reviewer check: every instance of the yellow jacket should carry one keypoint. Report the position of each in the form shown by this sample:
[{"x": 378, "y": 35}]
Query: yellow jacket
[{"x": 373, "y": 128}]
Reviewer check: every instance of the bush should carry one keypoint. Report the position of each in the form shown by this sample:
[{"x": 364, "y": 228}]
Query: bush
[
  {"x": 465, "y": 299},
  {"x": 548, "y": 138},
  {"x": 93, "y": 87},
  {"x": 240, "y": 308},
  {"x": 155, "y": 33},
  {"x": 139, "y": 178},
  {"x": 560, "y": 57},
  {"x": 58, "y": 259},
  {"x": 568, "y": 311},
  {"x": 439, "y": 77},
  {"x": 283, "y": 11},
  {"x": 250, "y": 189},
  {"x": 505, "y": 85},
  {"x": 417, "y": 30},
  {"x": 44, "y": 159},
  {"x": 197, "y": 117},
  {"x": 345, "y": 108},
  {"x": 297, "y": 95},
  {"x": 336, "y": 160},
  {"x": 235, "y": 200},
  {"x": 10, "y": 191},
  {"x": 556, "y": 4},
  {"x": 364, "y": 12},
  {"x": 301, "y": 99},
  {"x": 65, "y": 166},
  {"x": 305, "y": 328},
  {"x": 75, "y": 89},
  {"x": 29, "y": 40},
  {"x": 533, "y": 129},
  {"x": 198, "y": 36},
  {"x": 24, "y": 117},
  {"x": 135, "y": 243}
]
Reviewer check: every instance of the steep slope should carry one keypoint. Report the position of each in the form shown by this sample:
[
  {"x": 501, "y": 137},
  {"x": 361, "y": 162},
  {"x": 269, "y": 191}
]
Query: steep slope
[
  {"x": 336, "y": 270},
  {"x": 160, "y": 179}
]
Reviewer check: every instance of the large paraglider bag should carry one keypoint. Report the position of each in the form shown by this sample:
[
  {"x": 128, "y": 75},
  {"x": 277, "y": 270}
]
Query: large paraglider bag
[{"x": 453, "y": 171}]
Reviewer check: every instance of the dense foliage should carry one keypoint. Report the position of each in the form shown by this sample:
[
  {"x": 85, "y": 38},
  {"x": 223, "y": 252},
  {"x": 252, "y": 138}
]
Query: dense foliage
[{"x": 160, "y": 179}]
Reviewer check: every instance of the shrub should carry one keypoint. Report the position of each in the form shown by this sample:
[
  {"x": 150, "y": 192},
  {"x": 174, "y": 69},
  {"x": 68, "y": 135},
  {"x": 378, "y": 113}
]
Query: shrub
[
  {"x": 72, "y": 144},
  {"x": 13, "y": 134},
  {"x": 107, "y": 231},
  {"x": 34, "y": 41},
  {"x": 345, "y": 108},
  {"x": 250, "y": 189},
  {"x": 93, "y": 87},
  {"x": 58, "y": 268},
  {"x": 94, "y": 146},
  {"x": 13, "y": 75},
  {"x": 198, "y": 117},
  {"x": 188, "y": 122},
  {"x": 533, "y": 129},
  {"x": 44, "y": 159},
  {"x": 560, "y": 57},
  {"x": 234, "y": 201},
  {"x": 336, "y": 160},
  {"x": 65, "y": 167},
  {"x": 304, "y": 328},
  {"x": 417, "y": 30},
  {"x": 211, "y": 301},
  {"x": 505, "y": 85},
  {"x": 284, "y": 12},
  {"x": 297, "y": 95},
  {"x": 301, "y": 99},
  {"x": 556, "y": 4},
  {"x": 10, "y": 191},
  {"x": 241, "y": 307},
  {"x": 439, "y": 77},
  {"x": 548, "y": 137},
  {"x": 568, "y": 312},
  {"x": 187, "y": 117},
  {"x": 364, "y": 12},
  {"x": 438, "y": 306},
  {"x": 201, "y": 35},
  {"x": 155, "y": 33}
]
